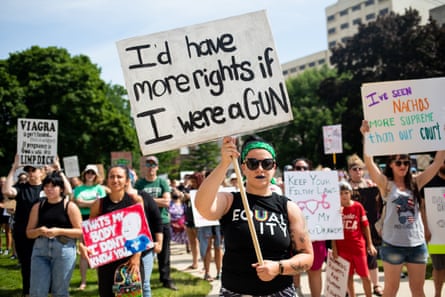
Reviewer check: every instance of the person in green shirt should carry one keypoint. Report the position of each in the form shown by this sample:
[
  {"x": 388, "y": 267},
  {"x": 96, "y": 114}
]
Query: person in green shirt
[
  {"x": 159, "y": 189},
  {"x": 84, "y": 196}
]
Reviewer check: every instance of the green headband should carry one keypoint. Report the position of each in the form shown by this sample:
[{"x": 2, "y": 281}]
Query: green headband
[{"x": 257, "y": 145}]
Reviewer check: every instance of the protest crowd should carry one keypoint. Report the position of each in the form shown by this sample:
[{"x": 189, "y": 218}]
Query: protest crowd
[
  {"x": 261, "y": 224},
  {"x": 170, "y": 207}
]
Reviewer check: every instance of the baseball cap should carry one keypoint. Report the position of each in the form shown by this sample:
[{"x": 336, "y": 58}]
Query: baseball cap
[
  {"x": 28, "y": 168},
  {"x": 92, "y": 167},
  {"x": 152, "y": 159}
]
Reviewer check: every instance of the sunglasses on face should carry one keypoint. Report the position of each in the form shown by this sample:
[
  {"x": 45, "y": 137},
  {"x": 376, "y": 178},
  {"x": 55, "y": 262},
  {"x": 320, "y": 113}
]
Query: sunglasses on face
[
  {"x": 301, "y": 168},
  {"x": 356, "y": 169},
  {"x": 399, "y": 163},
  {"x": 253, "y": 164},
  {"x": 90, "y": 172},
  {"x": 150, "y": 164}
]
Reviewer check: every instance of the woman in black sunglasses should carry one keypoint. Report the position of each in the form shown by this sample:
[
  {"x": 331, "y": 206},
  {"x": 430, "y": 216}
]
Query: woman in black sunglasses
[
  {"x": 403, "y": 238},
  {"x": 280, "y": 226}
]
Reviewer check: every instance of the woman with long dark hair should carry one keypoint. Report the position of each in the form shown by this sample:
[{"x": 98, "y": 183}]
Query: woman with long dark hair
[
  {"x": 118, "y": 182},
  {"x": 403, "y": 238}
]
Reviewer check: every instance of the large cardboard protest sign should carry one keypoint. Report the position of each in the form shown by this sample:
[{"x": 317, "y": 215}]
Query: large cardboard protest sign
[
  {"x": 116, "y": 235},
  {"x": 317, "y": 194},
  {"x": 435, "y": 210},
  {"x": 405, "y": 116},
  {"x": 36, "y": 141},
  {"x": 337, "y": 273},
  {"x": 196, "y": 84}
]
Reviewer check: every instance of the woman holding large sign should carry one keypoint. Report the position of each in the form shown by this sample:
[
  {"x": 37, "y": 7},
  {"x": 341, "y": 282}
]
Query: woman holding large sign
[
  {"x": 403, "y": 238},
  {"x": 279, "y": 223},
  {"x": 118, "y": 181}
]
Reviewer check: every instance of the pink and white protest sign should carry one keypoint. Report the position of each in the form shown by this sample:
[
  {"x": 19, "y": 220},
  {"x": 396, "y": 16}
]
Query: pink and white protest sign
[{"x": 116, "y": 235}]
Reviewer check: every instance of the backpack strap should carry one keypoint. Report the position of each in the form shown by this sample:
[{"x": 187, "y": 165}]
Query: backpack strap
[{"x": 66, "y": 202}]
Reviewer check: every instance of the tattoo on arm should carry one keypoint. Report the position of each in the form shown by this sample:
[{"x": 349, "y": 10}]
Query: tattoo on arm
[{"x": 299, "y": 268}]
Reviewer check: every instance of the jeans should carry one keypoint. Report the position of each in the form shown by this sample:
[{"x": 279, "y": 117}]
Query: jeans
[
  {"x": 52, "y": 265},
  {"x": 147, "y": 262}
]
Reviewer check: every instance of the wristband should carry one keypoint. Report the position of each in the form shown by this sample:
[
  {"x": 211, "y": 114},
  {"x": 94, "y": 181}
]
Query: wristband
[{"x": 280, "y": 268}]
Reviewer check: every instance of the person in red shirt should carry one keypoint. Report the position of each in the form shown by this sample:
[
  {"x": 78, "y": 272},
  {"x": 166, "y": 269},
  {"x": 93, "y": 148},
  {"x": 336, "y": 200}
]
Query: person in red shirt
[{"x": 357, "y": 240}]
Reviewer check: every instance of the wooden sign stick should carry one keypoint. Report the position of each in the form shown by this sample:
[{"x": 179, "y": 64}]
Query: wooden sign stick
[{"x": 252, "y": 230}]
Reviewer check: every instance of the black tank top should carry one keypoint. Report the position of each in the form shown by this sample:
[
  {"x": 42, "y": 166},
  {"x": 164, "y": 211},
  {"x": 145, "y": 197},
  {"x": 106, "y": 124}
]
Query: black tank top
[
  {"x": 271, "y": 224},
  {"x": 54, "y": 214},
  {"x": 108, "y": 206}
]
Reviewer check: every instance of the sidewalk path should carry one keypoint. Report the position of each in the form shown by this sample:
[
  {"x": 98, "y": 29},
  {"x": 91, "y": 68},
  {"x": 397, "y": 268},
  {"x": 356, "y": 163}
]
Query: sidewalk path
[{"x": 181, "y": 260}]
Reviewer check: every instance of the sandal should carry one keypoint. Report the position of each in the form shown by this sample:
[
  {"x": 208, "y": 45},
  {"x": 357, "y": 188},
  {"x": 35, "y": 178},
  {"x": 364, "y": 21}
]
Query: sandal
[
  {"x": 208, "y": 278},
  {"x": 82, "y": 287},
  {"x": 378, "y": 290},
  {"x": 191, "y": 267}
]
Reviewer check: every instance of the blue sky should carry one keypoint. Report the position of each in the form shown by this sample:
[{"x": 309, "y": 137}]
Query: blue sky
[{"x": 92, "y": 27}]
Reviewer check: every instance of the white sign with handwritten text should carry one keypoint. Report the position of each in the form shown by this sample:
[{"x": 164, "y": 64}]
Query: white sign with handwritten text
[
  {"x": 317, "y": 194},
  {"x": 406, "y": 116},
  {"x": 199, "y": 83}
]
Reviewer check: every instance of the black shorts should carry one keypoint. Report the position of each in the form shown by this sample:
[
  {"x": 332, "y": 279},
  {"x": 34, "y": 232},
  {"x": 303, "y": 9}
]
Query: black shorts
[{"x": 4, "y": 219}]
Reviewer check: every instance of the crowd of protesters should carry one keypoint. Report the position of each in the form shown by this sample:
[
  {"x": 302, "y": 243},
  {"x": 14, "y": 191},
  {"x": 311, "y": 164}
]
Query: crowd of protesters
[{"x": 40, "y": 219}]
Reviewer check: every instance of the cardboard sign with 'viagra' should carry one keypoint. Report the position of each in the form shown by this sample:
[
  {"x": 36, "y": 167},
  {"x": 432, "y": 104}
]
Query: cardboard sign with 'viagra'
[{"x": 199, "y": 83}]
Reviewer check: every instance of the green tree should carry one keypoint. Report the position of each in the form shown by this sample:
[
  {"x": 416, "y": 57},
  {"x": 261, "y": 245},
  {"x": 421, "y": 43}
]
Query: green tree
[
  {"x": 303, "y": 136},
  {"x": 48, "y": 83},
  {"x": 394, "y": 47},
  {"x": 203, "y": 156}
]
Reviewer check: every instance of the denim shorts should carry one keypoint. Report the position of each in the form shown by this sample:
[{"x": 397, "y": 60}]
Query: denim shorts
[
  {"x": 397, "y": 255},
  {"x": 204, "y": 234}
]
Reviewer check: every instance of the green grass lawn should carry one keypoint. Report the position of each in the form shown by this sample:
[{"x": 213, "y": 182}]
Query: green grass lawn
[{"x": 188, "y": 285}]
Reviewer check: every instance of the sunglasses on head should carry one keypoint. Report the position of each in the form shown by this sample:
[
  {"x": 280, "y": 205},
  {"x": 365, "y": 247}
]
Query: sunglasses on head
[
  {"x": 150, "y": 164},
  {"x": 253, "y": 164},
  {"x": 301, "y": 168},
  {"x": 399, "y": 163}
]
